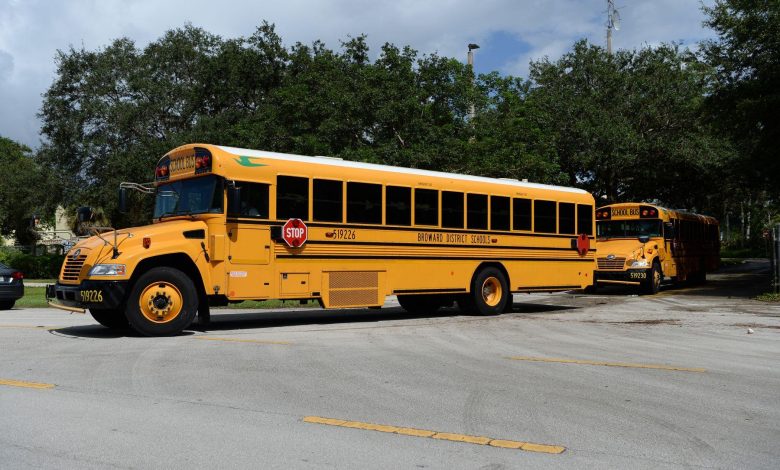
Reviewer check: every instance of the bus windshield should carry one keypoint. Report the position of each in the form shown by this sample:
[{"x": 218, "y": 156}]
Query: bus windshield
[
  {"x": 629, "y": 228},
  {"x": 189, "y": 197}
]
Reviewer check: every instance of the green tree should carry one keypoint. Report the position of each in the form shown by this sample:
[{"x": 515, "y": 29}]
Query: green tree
[
  {"x": 628, "y": 126},
  {"x": 25, "y": 191}
]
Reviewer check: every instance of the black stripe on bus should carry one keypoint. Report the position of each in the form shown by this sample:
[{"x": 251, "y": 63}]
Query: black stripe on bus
[
  {"x": 410, "y": 228},
  {"x": 425, "y": 291},
  {"x": 428, "y": 245},
  {"x": 429, "y": 258},
  {"x": 544, "y": 288}
]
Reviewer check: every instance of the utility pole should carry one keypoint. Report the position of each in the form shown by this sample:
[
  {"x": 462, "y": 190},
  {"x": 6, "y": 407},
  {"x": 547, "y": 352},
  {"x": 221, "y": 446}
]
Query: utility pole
[
  {"x": 613, "y": 22},
  {"x": 470, "y": 61}
]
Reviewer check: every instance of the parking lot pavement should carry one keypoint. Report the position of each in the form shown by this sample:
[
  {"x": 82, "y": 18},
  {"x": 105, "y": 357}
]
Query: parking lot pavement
[{"x": 687, "y": 378}]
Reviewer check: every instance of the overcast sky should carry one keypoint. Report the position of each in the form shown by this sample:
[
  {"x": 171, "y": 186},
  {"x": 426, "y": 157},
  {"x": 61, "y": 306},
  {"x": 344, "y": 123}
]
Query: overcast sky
[{"x": 510, "y": 32}]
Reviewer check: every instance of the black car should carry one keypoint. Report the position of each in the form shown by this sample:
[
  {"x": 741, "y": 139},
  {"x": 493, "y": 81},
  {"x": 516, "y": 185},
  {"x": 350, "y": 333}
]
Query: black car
[{"x": 11, "y": 286}]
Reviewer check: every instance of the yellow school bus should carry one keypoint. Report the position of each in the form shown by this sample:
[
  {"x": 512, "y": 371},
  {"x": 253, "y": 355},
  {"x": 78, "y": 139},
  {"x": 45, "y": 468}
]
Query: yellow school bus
[
  {"x": 640, "y": 244},
  {"x": 234, "y": 224}
]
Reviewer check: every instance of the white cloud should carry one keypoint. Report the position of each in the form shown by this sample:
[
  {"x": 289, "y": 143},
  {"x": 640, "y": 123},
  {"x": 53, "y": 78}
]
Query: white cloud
[{"x": 31, "y": 31}]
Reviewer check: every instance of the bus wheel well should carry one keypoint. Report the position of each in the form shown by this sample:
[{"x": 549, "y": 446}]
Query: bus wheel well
[
  {"x": 178, "y": 261},
  {"x": 497, "y": 265}
]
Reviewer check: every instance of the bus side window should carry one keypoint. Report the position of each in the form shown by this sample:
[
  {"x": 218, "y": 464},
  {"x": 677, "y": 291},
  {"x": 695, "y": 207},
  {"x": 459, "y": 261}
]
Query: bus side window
[
  {"x": 476, "y": 211},
  {"x": 668, "y": 231},
  {"x": 585, "y": 219},
  {"x": 499, "y": 213},
  {"x": 253, "y": 202},
  {"x": 327, "y": 200},
  {"x": 292, "y": 197},
  {"x": 364, "y": 203},
  {"x": 452, "y": 209},
  {"x": 426, "y": 207},
  {"x": 566, "y": 217},
  {"x": 522, "y": 214},
  {"x": 544, "y": 216},
  {"x": 398, "y": 205}
]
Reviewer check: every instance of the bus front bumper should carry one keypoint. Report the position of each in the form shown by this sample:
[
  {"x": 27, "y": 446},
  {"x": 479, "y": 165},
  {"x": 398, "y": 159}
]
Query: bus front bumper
[
  {"x": 89, "y": 294},
  {"x": 629, "y": 277}
]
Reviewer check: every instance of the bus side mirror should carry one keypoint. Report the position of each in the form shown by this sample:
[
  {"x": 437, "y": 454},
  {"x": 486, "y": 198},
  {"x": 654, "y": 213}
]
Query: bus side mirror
[
  {"x": 84, "y": 214},
  {"x": 234, "y": 200},
  {"x": 122, "y": 200}
]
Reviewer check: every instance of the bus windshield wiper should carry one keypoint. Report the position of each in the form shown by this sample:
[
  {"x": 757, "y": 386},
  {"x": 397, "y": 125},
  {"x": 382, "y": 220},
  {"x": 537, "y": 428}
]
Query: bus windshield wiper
[{"x": 175, "y": 214}]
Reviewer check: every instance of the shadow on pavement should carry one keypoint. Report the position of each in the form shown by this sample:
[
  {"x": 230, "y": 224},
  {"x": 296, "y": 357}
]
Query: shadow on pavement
[{"x": 258, "y": 319}]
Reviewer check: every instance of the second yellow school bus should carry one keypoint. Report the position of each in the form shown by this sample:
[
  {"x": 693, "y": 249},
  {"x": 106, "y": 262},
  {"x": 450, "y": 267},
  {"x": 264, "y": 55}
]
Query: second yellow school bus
[
  {"x": 639, "y": 244},
  {"x": 234, "y": 224}
]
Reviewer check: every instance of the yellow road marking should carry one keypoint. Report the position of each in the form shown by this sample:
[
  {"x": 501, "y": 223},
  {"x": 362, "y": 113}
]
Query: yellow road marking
[
  {"x": 19, "y": 383},
  {"x": 31, "y": 327},
  {"x": 607, "y": 364},
  {"x": 446, "y": 436},
  {"x": 238, "y": 340}
]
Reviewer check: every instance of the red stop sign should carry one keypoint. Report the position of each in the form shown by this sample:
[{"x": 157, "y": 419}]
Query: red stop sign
[
  {"x": 295, "y": 233},
  {"x": 583, "y": 244}
]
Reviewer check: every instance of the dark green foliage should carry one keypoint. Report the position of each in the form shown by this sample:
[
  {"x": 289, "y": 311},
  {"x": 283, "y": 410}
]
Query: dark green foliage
[{"x": 33, "y": 266}]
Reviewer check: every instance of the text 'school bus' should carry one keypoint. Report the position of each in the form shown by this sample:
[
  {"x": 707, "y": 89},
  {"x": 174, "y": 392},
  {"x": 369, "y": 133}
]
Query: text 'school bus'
[
  {"x": 233, "y": 224},
  {"x": 640, "y": 244}
]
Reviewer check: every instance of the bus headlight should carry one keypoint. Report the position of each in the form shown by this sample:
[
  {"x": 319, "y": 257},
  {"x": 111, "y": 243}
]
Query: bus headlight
[
  {"x": 107, "y": 270},
  {"x": 639, "y": 263}
]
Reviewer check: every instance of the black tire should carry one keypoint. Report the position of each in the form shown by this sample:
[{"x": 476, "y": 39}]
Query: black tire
[
  {"x": 114, "y": 319},
  {"x": 653, "y": 283},
  {"x": 7, "y": 304},
  {"x": 420, "y": 304},
  {"x": 162, "y": 302},
  {"x": 489, "y": 293}
]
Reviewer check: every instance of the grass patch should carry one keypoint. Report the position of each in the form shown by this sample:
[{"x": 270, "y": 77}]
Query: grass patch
[
  {"x": 33, "y": 297},
  {"x": 769, "y": 297}
]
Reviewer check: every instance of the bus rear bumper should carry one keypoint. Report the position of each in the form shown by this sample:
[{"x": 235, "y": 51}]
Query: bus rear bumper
[{"x": 89, "y": 294}]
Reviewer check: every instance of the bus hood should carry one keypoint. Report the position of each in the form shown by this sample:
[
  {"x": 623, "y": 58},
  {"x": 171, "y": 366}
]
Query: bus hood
[
  {"x": 629, "y": 248},
  {"x": 129, "y": 241}
]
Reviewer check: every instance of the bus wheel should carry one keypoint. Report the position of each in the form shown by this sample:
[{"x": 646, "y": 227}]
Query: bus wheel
[
  {"x": 489, "y": 293},
  {"x": 110, "y": 318},
  {"x": 162, "y": 302},
  {"x": 653, "y": 283},
  {"x": 420, "y": 303}
]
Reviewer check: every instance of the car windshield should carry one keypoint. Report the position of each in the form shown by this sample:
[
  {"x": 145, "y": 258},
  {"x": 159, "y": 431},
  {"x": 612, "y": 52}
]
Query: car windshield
[
  {"x": 629, "y": 228},
  {"x": 189, "y": 197}
]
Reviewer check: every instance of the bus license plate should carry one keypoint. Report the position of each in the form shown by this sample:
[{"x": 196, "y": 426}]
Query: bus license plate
[
  {"x": 91, "y": 296},
  {"x": 639, "y": 275}
]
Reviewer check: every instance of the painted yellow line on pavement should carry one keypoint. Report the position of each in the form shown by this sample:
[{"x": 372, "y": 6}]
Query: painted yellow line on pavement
[
  {"x": 238, "y": 340},
  {"x": 20, "y": 383},
  {"x": 31, "y": 327},
  {"x": 445, "y": 436},
  {"x": 607, "y": 364}
]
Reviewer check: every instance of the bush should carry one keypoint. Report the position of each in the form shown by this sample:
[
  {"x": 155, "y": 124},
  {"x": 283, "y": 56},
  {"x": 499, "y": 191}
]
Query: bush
[{"x": 33, "y": 267}]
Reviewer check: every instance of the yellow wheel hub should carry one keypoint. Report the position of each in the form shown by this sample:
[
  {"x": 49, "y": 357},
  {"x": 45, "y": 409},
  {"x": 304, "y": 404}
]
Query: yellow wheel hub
[
  {"x": 491, "y": 291},
  {"x": 160, "y": 302}
]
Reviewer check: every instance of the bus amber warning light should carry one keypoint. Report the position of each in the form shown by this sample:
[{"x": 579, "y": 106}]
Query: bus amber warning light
[{"x": 294, "y": 233}]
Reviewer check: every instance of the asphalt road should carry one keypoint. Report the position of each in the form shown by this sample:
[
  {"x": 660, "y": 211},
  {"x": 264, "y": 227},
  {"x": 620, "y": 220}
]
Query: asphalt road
[{"x": 564, "y": 381}]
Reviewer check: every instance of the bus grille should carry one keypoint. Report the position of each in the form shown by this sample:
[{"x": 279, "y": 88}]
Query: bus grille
[
  {"x": 72, "y": 268},
  {"x": 616, "y": 263}
]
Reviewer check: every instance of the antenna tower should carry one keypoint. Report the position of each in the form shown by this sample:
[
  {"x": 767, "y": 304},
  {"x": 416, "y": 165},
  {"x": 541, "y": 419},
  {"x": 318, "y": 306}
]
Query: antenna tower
[{"x": 613, "y": 22}]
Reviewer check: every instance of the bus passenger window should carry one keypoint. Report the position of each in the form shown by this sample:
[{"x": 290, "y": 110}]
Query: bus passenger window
[
  {"x": 292, "y": 198},
  {"x": 426, "y": 207},
  {"x": 364, "y": 203},
  {"x": 499, "y": 213},
  {"x": 254, "y": 200},
  {"x": 451, "y": 209},
  {"x": 476, "y": 211},
  {"x": 544, "y": 216},
  {"x": 585, "y": 219},
  {"x": 327, "y": 200},
  {"x": 398, "y": 205},
  {"x": 565, "y": 217},
  {"x": 522, "y": 214}
]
